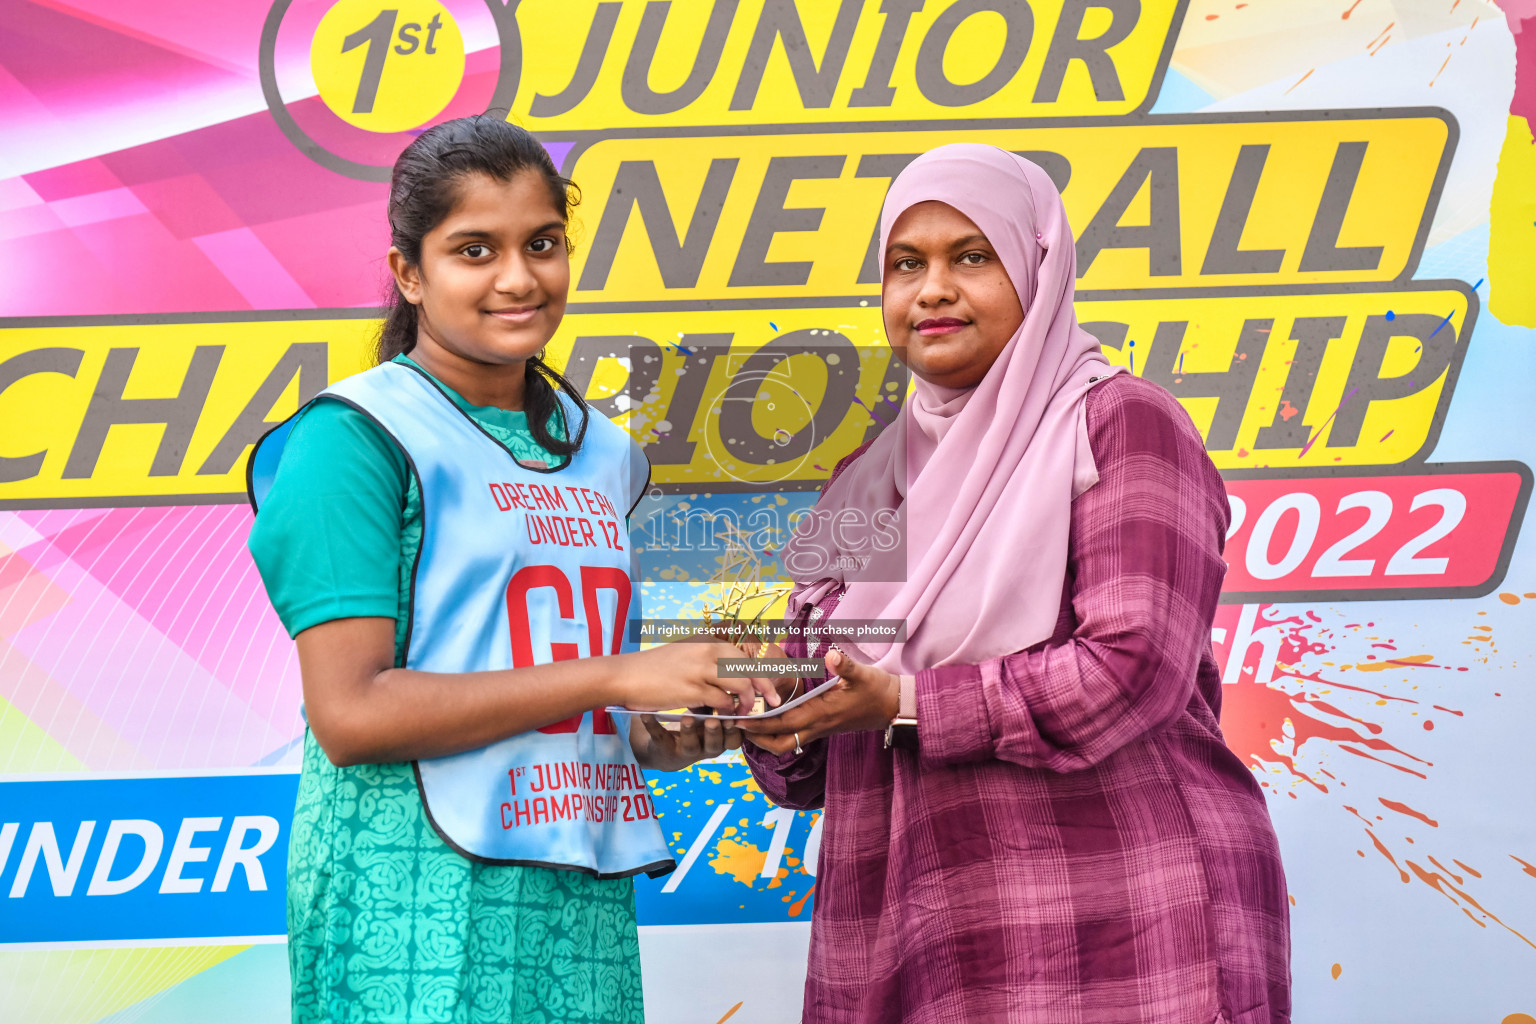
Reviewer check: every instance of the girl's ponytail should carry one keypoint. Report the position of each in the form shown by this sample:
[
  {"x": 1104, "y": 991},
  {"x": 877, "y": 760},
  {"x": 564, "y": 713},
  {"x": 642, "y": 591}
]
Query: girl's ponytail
[
  {"x": 398, "y": 335},
  {"x": 541, "y": 406}
]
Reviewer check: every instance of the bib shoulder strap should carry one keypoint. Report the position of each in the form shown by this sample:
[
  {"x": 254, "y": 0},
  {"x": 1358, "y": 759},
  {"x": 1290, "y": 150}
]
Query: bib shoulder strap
[{"x": 356, "y": 391}]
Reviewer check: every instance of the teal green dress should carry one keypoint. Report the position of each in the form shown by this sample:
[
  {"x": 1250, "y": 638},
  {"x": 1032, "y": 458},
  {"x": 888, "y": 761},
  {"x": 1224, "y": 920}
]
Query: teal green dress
[{"x": 386, "y": 924}]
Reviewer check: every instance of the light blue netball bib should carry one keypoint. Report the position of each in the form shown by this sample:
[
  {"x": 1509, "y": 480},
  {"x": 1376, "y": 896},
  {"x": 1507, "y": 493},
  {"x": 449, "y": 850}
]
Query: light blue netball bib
[{"x": 517, "y": 567}]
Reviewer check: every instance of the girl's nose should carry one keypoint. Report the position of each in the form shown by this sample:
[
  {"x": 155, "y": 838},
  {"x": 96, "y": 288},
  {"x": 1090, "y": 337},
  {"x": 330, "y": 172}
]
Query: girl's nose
[{"x": 515, "y": 277}]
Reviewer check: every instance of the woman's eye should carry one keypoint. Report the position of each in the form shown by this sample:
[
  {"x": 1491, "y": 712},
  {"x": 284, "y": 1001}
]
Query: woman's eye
[
  {"x": 476, "y": 252},
  {"x": 974, "y": 259},
  {"x": 542, "y": 244},
  {"x": 906, "y": 263}
]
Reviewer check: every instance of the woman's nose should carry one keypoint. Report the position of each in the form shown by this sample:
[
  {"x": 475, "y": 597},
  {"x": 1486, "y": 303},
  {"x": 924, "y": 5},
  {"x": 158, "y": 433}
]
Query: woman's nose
[{"x": 938, "y": 286}]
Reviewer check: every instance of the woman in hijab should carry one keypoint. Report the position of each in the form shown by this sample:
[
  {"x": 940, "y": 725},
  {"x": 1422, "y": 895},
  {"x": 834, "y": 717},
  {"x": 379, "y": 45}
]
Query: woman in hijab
[{"x": 1063, "y": 836}]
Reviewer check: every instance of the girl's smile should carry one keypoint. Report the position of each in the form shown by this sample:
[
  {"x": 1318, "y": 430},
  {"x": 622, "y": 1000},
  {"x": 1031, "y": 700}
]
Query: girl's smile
[{"x": 515, "y": 314}]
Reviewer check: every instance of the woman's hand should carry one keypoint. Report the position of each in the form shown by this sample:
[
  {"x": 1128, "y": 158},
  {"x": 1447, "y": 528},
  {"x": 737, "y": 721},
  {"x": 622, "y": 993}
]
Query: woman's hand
[
  {"x": 685, "y": 675},
  {"x": 698, "y": 739},
  {"x": 866, "y": 698}
]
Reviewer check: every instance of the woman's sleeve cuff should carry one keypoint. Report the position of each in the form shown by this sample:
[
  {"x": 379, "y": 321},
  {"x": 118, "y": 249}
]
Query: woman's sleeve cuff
[{"x": 952, "y": 721}]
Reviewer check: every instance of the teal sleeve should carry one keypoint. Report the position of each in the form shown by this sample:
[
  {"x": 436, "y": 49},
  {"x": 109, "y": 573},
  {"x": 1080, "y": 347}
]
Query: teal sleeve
[{"x": 327, "y": 539}]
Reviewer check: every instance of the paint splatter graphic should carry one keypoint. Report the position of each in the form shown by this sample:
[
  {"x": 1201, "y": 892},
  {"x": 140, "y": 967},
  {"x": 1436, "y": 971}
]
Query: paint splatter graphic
[
  {"x": 1273, "y": 708},
  {"x": 1295, "y": 694},
  {"x": 733, "y": 849}
]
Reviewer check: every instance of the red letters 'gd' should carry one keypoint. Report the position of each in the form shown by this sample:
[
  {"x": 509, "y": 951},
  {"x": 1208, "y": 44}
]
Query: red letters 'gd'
[{"x": 532, "y": 577}]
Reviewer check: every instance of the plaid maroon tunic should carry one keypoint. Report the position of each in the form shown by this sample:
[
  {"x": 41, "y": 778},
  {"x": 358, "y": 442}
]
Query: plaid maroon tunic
[{"x": 1073, "y": 841}]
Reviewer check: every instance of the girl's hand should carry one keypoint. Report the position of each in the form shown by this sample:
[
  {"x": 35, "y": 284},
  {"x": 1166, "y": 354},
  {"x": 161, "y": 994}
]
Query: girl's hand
[
  {"x": 697, "y": 740},
  {"x": 787, "y": 687},
  {"x": 685, "y": 675},
  {"x": 866, "y": 698}
]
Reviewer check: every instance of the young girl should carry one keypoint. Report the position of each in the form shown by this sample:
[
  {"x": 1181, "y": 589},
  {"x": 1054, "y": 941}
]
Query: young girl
[{"x": 467, "y": 825}]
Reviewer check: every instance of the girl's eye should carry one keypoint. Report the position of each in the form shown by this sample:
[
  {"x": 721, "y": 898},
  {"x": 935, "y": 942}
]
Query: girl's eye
[
  {"x": 542, "y": 244},
  {"x": 476, "y": 251}
]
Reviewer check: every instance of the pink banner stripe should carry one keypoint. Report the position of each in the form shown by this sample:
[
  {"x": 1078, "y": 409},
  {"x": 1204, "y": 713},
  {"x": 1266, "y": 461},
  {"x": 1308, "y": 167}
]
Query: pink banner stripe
[{"x": 253, "y": 270}]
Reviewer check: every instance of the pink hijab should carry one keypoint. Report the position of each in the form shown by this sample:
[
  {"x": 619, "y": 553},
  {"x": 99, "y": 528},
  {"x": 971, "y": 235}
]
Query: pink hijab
[{"x": 982, "y": 478}]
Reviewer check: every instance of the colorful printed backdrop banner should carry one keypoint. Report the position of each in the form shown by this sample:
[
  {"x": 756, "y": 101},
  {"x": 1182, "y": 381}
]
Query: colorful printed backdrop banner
[{"x": 1313, "y": 221}]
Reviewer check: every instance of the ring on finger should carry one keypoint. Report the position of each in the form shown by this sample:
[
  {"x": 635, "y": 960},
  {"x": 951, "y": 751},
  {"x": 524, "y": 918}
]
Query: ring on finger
[{"x": 797, "y": 744}]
